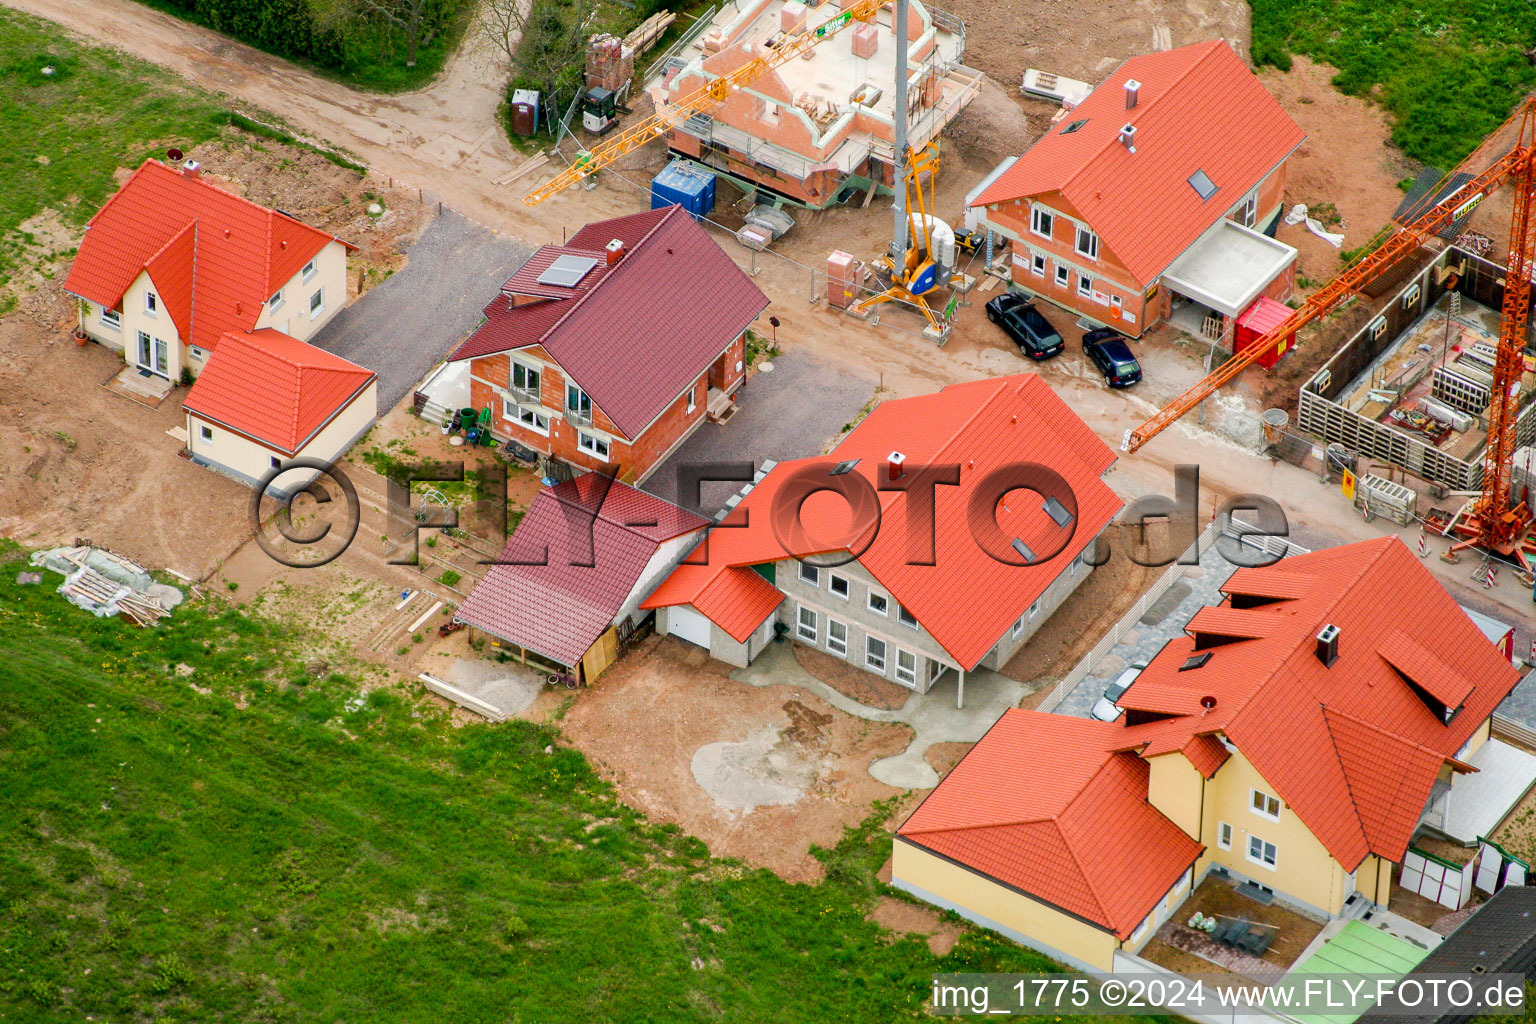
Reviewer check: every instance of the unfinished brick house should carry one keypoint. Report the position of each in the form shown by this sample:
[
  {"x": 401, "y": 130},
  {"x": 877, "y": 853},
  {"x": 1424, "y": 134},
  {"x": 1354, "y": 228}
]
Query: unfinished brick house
[
  {"x": 815, "y": 128},
  {"x": 1155, "y": 199},
  {"x": 609, "y": 350}
]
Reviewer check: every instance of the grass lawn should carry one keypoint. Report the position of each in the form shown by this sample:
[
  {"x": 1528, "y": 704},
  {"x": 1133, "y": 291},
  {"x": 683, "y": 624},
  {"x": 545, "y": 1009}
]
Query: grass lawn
[
  {"x": 271, "y": 851},
  {"x": 1449, "y": 74},
  {"x": 372, "y": 56},
  {"x": 66, "y": 134}
]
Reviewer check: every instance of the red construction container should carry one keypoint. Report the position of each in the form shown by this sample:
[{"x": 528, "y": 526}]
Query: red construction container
[{"x": 1258, "y": 320}]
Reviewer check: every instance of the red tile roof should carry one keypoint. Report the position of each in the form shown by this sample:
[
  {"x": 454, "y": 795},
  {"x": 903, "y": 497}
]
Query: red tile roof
[
  {"x": 1353, "y": 749},
  {"x": 737, "y": 600},
  {"x": 274, "y": 388},
  {"x": 1199, "y": 109},
  {"x": 633, "y": 335},
  {"x": 1046, "y": 805},
  {"x": 215, "y": 258},
  {"x": 590, "y": 540},
  {"x": 967, "y": 599}
]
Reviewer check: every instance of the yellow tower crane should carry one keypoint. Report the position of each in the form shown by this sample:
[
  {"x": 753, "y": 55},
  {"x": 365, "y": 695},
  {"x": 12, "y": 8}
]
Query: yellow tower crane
[{"x": 707, "y": 96}]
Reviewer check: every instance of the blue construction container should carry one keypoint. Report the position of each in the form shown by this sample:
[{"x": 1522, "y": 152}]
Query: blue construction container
[{"x": 685, "y": 185}]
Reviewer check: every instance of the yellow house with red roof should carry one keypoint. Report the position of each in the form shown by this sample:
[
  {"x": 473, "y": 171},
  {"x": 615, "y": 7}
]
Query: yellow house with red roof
[
  {"x": 1297, "y": 736},
  {"x": 172, "y": 262}
]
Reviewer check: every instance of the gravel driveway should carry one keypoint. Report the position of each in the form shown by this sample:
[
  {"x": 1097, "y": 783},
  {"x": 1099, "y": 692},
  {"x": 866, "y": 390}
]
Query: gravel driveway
[
  {"x": 791, "y": 413},
  {"x": 401, "y": 328}
]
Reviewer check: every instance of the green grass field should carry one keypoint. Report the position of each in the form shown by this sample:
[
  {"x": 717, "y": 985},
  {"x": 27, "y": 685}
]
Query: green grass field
[
  {"x": 66, "y": 134},
  {"x": 279, "y": 849},
  {"x": 1449, "y": 74}
]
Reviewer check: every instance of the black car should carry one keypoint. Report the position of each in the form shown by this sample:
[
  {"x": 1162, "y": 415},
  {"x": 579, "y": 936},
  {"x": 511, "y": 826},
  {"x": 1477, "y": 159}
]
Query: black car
[
  {"x": 1112, "y": 356},
  {"x": 1022, "y": 322}
]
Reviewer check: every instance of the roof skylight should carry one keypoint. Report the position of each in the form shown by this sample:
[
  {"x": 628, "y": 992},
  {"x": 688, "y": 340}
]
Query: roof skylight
[{"x": 1202, "y": 184}]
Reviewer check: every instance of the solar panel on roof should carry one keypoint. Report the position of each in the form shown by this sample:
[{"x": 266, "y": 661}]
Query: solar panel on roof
[
  {"x": 1202, "y": 184},
  {"x": 567, "y": 271}
]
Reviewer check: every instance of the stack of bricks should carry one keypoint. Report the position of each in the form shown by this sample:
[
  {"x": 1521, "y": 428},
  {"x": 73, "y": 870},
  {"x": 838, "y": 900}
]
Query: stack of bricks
[
  {"x": 610, "y": 64},
  {"x": 865, "y": 40}
]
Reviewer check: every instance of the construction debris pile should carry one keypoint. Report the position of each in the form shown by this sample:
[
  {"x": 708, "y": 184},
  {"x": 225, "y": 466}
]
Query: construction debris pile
[{"x": 106, "y": 584}]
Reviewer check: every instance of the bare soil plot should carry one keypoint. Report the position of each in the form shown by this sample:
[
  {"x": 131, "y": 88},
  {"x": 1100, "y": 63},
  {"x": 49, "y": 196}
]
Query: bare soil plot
[{"x": 648, "y": 717}]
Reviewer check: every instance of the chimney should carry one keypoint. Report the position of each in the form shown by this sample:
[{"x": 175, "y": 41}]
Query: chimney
[
  {"x": 614, "y": 249},
  {"x": 1132, "y": 89},
  {"x": 1328, "y": 644},
  {"x": 192, "y": 169},
  {"x": 895, "y": 465},
  {"x": 1128, "y": 137}
]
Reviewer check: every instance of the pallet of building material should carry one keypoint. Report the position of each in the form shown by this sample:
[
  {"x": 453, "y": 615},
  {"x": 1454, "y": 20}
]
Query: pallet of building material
[
  {"x": 754, "y": 237},
  {"x": 648, "y": 31},
  {"x": 1391, "y": 501}
]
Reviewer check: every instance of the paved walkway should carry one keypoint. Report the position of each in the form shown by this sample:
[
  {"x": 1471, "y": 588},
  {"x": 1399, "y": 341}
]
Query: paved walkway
[
  {"x": 1200, "y": 586},
  {"x": 932, "y": 716},
  {"x": 790, "y": 413},
  {"x": 401, "y": 328}
]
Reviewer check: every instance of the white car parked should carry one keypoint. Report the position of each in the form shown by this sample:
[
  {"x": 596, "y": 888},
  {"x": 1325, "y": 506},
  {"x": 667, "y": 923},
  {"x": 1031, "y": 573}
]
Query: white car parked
[{"x": 1104, "y": 709}]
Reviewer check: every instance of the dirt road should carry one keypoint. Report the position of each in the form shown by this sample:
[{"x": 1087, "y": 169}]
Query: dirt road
[{"x": 443, "y": 139}]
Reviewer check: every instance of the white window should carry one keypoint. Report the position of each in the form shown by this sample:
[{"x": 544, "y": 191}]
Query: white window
[
  {"x": 309, "y": 270},
  {"x": 874, "y": 654},
  {"x": 837, "y": 636},
  {"x": 1264, "y": 805},
  {"x": 275, "y": 301},
  {"x": 151, "y": 303},
  {"x": 693, "y": 399},
  {"x": 1061, "y": 276},
  {"x": 1248, "y": 209},
  {"x": 810, "y": 574},
  {"x": 1224, "y": 835},
  {"x": 531, "y": 418},
  {"x": 525, "y": 378},
  {"x": 879, "y": 603},
  {"x": 1034, "y": 610},
  {"x": 1116, "y": 301},
  {"x": 317, "y": 303},
  {"x": 1041, "y": 220},
  {"x": 906, "y": 618},
  {"x": 1018, "y": 627},
  {"x": 838, "y": 585},
  {"x": 805, "y": 624},
  {"x": 112, "y": 318},
  {"x": 577, "y": 402},
  {"x": 1037, "y": 265},
  {"x": 1087, "y": 242},
  {"x": 206, "y": 433},
  {"x": 906, "y": 667},
  {"x": 200, "y": 354},
  {"x": 591, "y": 444},
  {"x": 1261, "y": 852},
  {"x": 1141, "y": 929},
  {"x": 1084, "y": 285}
]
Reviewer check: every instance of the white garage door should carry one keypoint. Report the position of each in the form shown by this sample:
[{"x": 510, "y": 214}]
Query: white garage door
[{"x": 688, "y": 623}]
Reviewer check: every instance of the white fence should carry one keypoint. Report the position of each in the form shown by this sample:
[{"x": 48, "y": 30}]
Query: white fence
[{"x": 1221, "y": 526}]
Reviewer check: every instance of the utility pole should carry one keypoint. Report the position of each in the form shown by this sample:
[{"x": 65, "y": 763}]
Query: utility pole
[{"x": 899, "y": 119}]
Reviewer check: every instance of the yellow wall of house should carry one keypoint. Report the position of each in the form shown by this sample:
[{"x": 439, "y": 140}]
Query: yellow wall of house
[
  {"x": 1304, "y": 869},
  {"x": 982, "y": 898},
  {"x": 329, "y": 279},
  {"x": 245, "y": 458},
  {"x": 1174, "y": 788}
]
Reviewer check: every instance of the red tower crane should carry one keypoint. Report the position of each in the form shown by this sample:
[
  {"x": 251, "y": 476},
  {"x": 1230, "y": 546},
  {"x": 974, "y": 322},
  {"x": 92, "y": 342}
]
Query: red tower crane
[{"x": 1490, "y": 523}]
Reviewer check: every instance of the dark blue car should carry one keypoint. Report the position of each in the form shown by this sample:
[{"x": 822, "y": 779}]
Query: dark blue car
[{"x": 1109, "y": 352}]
